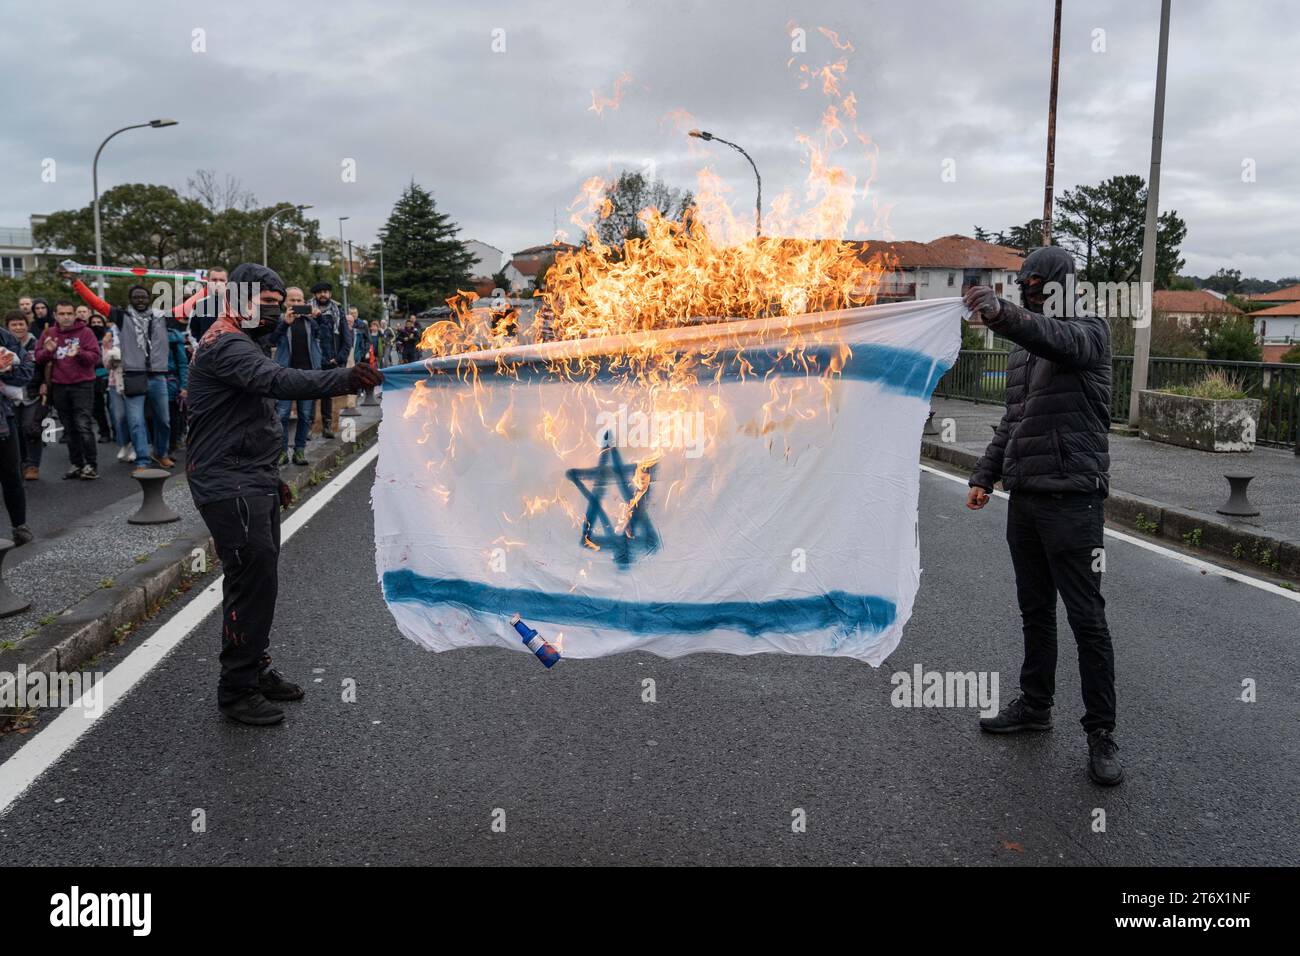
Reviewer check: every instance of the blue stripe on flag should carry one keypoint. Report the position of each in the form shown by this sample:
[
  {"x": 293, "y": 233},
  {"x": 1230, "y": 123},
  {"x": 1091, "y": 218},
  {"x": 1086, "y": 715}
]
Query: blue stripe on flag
[
  {"x": 897, "y": 370},
  {"x": 834, "y": 609}
]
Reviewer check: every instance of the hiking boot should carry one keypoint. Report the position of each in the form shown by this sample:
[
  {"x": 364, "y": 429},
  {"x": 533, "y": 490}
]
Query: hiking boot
[
  {"x": 166, "y": 461},
  {"x": 31, "y": 473},
  {"x": 22, "y": 535},
  {"x": 273, "y": 686},
  {"x": 299, "y": 456},
  {"x": 1017, "y": 715},
  {"x": 73, "y": 472},
  {"x": 253, "y": 709},
  {"x": 89, "y": 473},
  {"x": 1103, "y": 759},
  {"x": 284, "y": 458}
]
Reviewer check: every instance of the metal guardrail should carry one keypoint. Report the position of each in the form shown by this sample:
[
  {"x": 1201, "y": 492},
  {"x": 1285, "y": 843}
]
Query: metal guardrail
[{"x": 980, "y": 376}]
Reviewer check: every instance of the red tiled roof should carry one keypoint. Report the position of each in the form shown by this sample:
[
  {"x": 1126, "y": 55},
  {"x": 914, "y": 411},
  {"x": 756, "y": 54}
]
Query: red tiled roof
[
  {"x": 1286, "y": 308},
  {"x": 948, "y": 252},
  {"x": 1190, "y": 300},
  {"x": 1289, "y": 294}
]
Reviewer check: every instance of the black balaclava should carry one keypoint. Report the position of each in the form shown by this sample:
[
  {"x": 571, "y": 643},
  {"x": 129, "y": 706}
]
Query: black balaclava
[
  {"x": 1051, "y": 264},
  {"x": 242, "y": 277}
]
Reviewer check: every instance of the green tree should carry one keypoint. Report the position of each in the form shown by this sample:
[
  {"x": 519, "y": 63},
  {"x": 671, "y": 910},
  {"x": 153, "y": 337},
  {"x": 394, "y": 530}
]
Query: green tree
[
  {"x": 1103, "y": 226},
  {"x": 630, "y": 195},
  {"x": 1232, "y": 340},
  {"x": 424, "y": 261},
  {"x": 1225, "y": 281}
]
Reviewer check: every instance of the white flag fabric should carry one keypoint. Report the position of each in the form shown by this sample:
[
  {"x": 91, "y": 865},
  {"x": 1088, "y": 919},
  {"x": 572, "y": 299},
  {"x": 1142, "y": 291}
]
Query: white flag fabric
[{"x": 765, "y": 506}]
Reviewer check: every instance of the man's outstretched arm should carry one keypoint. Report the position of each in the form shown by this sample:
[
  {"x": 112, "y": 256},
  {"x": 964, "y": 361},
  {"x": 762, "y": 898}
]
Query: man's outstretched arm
[
  {"x": 1078, "y": 342},
  {"x": 239, "y": 362}
]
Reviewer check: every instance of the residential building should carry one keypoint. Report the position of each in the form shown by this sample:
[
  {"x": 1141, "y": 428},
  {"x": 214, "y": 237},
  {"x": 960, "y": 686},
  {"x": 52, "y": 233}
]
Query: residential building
[
  {"x": 487, "y": 259},
  {"x": 527, "y": 264},
  {"x": 1278, "y": 329},
  {"x": 1188, "y": 305}
]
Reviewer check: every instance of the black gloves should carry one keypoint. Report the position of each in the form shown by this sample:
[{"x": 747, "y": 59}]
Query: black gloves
[{"x": 363, "y": 375}]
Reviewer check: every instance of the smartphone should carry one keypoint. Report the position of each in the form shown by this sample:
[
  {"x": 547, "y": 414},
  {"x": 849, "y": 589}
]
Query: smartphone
[{"x": 301, "y": 310}]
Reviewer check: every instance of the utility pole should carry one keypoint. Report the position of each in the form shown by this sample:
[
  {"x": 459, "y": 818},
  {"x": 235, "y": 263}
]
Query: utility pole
[
  {"x": 1051, "y": 128},
  {"x": 1142, "y": 334}
]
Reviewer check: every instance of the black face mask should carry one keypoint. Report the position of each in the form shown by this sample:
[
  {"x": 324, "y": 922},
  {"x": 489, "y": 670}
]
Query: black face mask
[{"x": 270, "y": 316}]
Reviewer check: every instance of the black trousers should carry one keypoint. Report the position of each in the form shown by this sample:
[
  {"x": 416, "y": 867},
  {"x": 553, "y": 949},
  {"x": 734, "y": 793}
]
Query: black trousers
[
  {"x": 11, "y": 476},
  {"x": 76, "y": 407},
  {"x": 101, "y": 407},
  {"x": 326, "y": 405},
  {"x": 247, "y": 536},
  {"x": 29, "y": 432},
  {"x": 1056, "y": 543}
]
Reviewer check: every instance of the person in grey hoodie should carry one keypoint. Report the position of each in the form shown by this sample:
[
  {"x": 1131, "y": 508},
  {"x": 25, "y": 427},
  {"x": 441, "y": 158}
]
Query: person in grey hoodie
[{"x": 145, "y": 350}]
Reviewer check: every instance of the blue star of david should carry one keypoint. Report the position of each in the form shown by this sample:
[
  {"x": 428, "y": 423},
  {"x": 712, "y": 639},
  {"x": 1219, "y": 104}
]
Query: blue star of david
[{"x": 639, "y": 537}]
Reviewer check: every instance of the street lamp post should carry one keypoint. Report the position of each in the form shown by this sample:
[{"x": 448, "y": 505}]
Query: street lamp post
[
  {"x": 383, "y": 298},
  {"x": 758, "y": 204},
  {"x": 343, "y": 279},
  {"x": 94, "y": 177},
  {"x": 266, "y": 226},
  {"x": 1142, "y": 334}
]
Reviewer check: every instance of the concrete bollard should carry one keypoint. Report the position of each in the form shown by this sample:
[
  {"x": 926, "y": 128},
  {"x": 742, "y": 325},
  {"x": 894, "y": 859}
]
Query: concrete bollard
[
  {"x": 10, "y": 603},
  {"x": 153, "y": 509},
  {"x": 1238, "y": 505},
  {"x": 370, "y": 400},
  {"x": 930, "y": 427}
]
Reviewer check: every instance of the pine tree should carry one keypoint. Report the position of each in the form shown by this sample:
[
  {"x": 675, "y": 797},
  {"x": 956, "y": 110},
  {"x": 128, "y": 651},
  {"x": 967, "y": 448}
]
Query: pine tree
[{"x": 424, "y": 261}]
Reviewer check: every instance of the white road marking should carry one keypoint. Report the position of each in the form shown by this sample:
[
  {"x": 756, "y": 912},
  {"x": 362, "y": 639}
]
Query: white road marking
[
  {"x": 1187, "y": 559},
  {"x": 40, "y": 753}
]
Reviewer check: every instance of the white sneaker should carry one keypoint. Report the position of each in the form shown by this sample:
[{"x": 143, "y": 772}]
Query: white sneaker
[
  {"x": 121, "y": 452},
  {"x": 130, "y": 454}
]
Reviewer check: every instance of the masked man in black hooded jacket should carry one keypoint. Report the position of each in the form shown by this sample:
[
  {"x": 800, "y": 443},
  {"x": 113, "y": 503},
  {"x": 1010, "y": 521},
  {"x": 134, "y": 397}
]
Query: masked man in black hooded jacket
[
  {"x": 1051, "y": 452},
  {"x": 234, "y": 446}
]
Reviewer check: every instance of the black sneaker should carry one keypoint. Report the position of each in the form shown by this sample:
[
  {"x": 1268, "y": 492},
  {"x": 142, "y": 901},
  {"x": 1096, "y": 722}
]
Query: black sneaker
[
  {"x": 22, "y": 535},
  {"x": 273, "y": 686},
  {"x": 299, "y": 457},
  {"x": 253, "y": 709},
  {"x": 326, "y": 434},
  {"x": 73, "y": 472},
  {"x": 88, "y": 473},
  {"x": 1017, "y": 715},
  {"x": 1103, "y": 759}
]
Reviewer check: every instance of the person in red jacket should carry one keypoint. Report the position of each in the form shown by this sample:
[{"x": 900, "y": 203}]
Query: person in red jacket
[{"x": 70, "y": 347}]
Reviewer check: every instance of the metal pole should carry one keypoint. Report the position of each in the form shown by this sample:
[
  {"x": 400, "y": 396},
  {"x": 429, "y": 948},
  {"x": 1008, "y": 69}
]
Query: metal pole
[
  {"x": 383, "y": 299},
  {"x": 343, "y": 280},
  {"x": 1051, "y": 128},
  {"x": 758, "y": 203},
  {"x": 1142, "y": 334},
  {"x": 94, "y": 178},
  {"x": 266, "y": 228}
]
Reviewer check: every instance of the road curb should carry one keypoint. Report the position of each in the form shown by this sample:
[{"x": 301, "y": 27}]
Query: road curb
[
  {"x": 88, "y": 627},
  {"x": 1270, "y": 553}
]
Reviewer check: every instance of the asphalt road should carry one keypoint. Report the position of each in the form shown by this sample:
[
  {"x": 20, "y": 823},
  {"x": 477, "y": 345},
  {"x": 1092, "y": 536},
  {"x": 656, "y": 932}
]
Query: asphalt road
[{"x": 586, "y": 772}]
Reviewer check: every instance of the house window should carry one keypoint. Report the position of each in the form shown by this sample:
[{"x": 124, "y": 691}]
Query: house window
[
  {"x": 952, "y": 279},
  {"x": 925, "y": 277},
  {"x": 11, "y": 266}
]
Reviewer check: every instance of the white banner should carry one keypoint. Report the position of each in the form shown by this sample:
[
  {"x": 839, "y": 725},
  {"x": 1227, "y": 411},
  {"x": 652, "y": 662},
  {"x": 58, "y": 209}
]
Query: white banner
[{"x": 761, "y": 499}]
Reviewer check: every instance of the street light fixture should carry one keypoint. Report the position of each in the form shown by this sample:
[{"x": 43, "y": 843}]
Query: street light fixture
[
  {"x": 758, "y": 204},
  {"x": 94, "y": 176},
  {"x": 266, "y": 226}
]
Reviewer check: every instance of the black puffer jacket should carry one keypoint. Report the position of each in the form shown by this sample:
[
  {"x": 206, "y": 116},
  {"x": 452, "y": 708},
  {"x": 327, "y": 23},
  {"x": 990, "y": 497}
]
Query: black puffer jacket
[{"x": 1054, "y": 436}]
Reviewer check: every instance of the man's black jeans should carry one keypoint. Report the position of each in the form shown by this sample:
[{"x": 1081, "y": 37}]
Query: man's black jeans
[
  {"x": 76, "y": 407},
  {"x": 247, "y": 535},
  {"x": 1056, "y": 543}
]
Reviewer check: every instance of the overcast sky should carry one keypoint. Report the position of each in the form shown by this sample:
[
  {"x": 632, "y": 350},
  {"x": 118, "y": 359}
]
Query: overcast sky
[{"x": 286, "y": 92}]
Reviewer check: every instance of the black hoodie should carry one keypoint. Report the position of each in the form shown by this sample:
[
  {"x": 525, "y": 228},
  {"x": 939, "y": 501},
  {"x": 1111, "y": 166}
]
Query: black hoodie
[{"x": 1055, "y": 435}]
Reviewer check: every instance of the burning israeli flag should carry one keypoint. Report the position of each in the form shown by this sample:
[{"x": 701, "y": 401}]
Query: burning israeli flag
[{"x": 737, "y": 488}]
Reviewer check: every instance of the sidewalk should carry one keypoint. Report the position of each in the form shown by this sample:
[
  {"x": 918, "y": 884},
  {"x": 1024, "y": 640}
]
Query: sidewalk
[
  {"x": 1176, "y": 489},
  {"x": 98, "y": 573}
]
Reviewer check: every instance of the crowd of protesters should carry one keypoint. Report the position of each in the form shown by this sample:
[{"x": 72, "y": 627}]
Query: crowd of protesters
[{"x": 88, "y": 372}]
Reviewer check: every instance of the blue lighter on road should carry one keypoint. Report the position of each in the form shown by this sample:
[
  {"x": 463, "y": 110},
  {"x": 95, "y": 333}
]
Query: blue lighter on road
[{"x": 546, "y": 653}]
